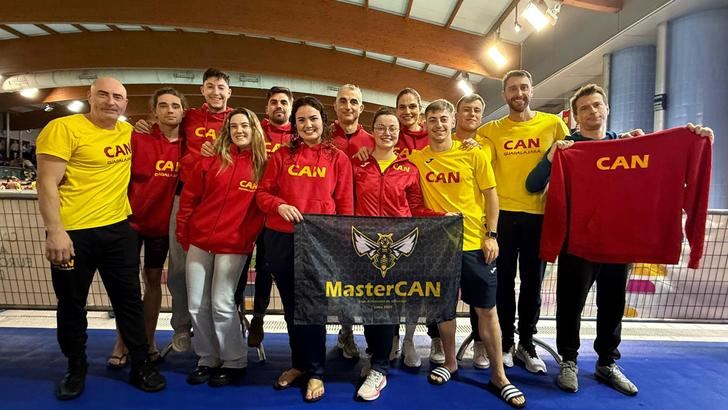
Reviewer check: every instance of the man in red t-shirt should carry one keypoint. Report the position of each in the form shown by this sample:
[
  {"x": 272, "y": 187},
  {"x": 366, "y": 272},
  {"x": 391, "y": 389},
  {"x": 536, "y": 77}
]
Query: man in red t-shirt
[
  {"x": 199, "y": 126},
  {"x": 349, "y": 135}
]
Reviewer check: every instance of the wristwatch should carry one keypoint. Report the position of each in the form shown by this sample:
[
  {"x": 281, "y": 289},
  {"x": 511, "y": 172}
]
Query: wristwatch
[{"x": 492, "y": 234}]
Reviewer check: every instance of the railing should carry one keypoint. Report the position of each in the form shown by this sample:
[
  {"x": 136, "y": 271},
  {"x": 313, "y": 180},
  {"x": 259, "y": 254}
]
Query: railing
[{"x": 654, "y": 292}]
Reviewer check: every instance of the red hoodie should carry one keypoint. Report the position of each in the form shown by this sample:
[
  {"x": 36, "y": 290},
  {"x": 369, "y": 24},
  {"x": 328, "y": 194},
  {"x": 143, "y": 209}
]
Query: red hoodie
[
  {"x": 217, "y": 209},
  {"x": 351, "y": 144},
  {"x": 275, "y": 137},
  {"x": 199, "y": 125},
  {"x": 315, "y": 180},
  {"x": 411, "y": 140},
  {"x": 395, "y": 192},
  {"x": 154, "y": 166},
  {"x": 621, "y": 201}
]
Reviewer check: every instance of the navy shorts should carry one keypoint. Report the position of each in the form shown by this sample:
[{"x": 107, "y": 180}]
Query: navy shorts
[
  {"x": 478, "y": 280},
  {"x": 155, "y": 250}
]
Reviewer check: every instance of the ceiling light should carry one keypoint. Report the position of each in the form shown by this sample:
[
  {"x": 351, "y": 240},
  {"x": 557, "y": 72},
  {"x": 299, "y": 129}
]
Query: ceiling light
[
  {"x": 498, "y": 58},
  {"x": 75, "y": 106},
  {"x": 517, "y": 27},
  {"x": 29, "y": 92},
  {"x": 464, "y": 84},
  {"x": 122, "y": 118},
  {"x": 48, "y": 108},
  {"x": 536, "y": 15}
]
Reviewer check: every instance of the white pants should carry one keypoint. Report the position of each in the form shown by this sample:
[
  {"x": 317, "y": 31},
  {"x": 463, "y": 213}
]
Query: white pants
[{"x": 211, "y": 283}]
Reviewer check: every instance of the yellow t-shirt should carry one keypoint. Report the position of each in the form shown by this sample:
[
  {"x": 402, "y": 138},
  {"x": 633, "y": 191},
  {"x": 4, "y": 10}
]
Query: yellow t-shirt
[
  {"x": 93, "y": 190},
  {"x": 516, "y": 148},
  {"x": 385, "y": 163},
  {"x": 453, "y": 181}
]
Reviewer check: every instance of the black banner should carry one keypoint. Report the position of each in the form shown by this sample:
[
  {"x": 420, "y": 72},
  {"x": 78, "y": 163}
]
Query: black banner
[{"x": 374, "y": 270}]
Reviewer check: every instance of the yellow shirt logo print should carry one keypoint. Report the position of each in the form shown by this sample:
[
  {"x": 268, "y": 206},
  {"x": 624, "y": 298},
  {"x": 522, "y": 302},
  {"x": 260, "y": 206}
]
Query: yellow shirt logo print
[{"x": 383, "y": 252}]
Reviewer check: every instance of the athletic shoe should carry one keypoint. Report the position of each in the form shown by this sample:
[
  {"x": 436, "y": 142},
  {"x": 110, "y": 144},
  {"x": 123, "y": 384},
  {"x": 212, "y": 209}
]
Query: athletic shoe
[
  {"x": 527, "y": 354},
  {"x": 567, "y": 379},
  {"x": 480, "y": 356},
  {"x": 437, "y": 353},
  {"x": 225, "y": 376},
  {"x": 256, "y": 334},
  {"x": 181, "y": 341},
  {"x": 508, "y": 357},
  {"x": 347, "y": 345},
  {"x": 372, "y": 386},
  {"x": 411, "y": 357},
  {"x": 613, "y": 376},
  {"x": 394, "y": 354}
]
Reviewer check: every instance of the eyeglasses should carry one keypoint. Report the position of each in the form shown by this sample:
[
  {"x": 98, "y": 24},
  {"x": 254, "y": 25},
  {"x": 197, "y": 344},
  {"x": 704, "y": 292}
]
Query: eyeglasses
[{"x": 382, "y": 129}]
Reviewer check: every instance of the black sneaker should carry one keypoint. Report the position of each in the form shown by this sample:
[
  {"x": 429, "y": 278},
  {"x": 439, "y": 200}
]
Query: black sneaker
[
  {"x": 147, "y": 378},
  {"x": 200, "y": 375},
  {"x": 72, "y": 383},
  {"x": 224, "y": 376}
]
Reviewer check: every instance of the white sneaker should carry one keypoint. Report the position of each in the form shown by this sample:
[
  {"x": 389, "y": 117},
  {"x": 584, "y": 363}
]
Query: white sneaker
[
  {"x": 527, "y": 354},
  {"x": 394, "y": 353},
  {"x": 411, "y": 357},
  {"x": 508, "y": 358},
  {"x": 437, "y": 352},
  {"x": 372, "y": 386},
  {"x": 613, "y": 376},
  {"x": 480, "y": 356},
  {"x": 181, "y": 341}
]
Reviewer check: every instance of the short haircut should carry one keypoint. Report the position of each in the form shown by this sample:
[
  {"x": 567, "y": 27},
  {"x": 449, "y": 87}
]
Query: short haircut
[
  {"x": 584, "y": 91},
  {"x": 410, "y": 91},
  {"x": 383, "y": 111},
  {"x": 214, "y": 72},
  {"x": 351, "y": 87},
  {"x": 468, "y": 98},
  {"x": 440, "y": 105},
  {"x": 516, "y": 73},
  {"x": 166, "y": 90},
  {"x": 279, "y": 90}
]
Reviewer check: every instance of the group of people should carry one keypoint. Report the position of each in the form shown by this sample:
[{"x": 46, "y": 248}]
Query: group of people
[{"x": 208, "y": 185}]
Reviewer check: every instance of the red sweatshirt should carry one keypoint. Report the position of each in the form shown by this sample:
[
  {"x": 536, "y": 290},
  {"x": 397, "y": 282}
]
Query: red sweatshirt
[
  {"x": 396, "y": 192},
  {"x": 621, "y": 201},
  {"x": 154, "y": 167},
  {"x": 411, "y": 140},
  {"x": 199, "y": 125},
  {"x": 353, "y": 143},
  {"x": 315, "y": 180},
  {"x": 275, "y": 136},
  {"x": 217, "y": 210}
]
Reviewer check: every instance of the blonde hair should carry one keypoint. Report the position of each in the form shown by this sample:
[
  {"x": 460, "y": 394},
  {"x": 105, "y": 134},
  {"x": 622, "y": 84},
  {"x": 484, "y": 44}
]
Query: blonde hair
[{"x": 257, "y": 145}]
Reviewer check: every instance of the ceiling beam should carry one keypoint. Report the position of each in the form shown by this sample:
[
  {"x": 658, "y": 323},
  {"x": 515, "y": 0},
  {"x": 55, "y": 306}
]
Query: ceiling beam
[
  {"x": 88, "y": 51},
  {"x": 82, "y": 28},
  {"x": 438, "y": 45},
  {"x": 46, "y": 29},
  {"x": 13, "y": 31},
  {"x": 453, "y": 14},
  {"x": 604, "y": 6},
  {"x": 409, "y": 8}
]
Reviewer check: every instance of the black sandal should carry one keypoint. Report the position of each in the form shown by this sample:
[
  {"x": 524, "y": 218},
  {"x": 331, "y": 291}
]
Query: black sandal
[
  {"x": 121, "y": 361},
  {"x": 508, "y": 393},
  {"x": 440, "y": 375}
]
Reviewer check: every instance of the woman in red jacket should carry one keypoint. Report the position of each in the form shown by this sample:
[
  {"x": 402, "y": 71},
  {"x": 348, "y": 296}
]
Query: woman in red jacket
[
  {"x": 309, "y": 175},
  {"x": 217, "y": 222},
  {"x": 412, "y": 133},
  {"x": 385, "y": 185}
]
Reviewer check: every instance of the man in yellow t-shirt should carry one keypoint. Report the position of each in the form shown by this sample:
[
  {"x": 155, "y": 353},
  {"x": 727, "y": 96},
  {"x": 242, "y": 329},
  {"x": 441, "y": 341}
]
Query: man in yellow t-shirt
[
  {"x": 517, "y": 142},
  {"x": 456, "y": 180},
  {"x": 83, "y": 175}
]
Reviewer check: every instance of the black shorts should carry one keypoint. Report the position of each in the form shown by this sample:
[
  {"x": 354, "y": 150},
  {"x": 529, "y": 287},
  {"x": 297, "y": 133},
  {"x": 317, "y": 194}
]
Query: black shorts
[
  {"x": 155, "y": 250},
  {"x": 478, "y": 280}
]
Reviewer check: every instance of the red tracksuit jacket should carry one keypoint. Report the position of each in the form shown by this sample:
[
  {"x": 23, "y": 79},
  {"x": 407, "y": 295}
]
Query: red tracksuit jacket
[
  {"x": 395, "y": 192},
  {"x": 316, "y": 180},
  {"x": 351, "y": 145},
  {"x": 622, "y": 201},
  {"x": 275, "y": 137},
  {"x": 199, "y": 125},
  {"x": 411, "y": 140},
  {"x": 154, "y": 167},
  {"x": 217, "y": 210}
]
